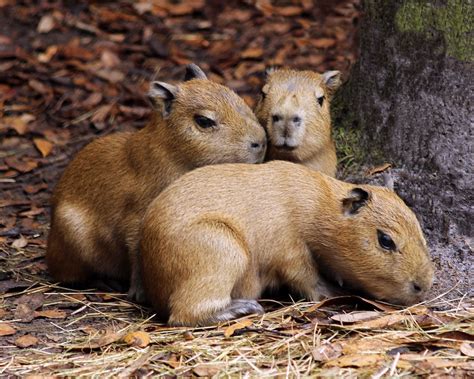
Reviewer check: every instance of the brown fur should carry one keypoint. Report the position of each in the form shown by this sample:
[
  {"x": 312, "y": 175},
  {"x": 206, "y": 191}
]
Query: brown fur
[
  {"x": 100, "y": 200},
  {"x": 290, "y": 95},
  {"x": 219, "y": 236}
]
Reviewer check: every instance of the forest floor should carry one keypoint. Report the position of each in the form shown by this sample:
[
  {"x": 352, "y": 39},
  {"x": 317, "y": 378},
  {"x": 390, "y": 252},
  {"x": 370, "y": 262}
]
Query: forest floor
[{"x": 73, "y": 71}]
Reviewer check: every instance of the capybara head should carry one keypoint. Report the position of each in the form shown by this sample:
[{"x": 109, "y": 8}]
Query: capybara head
[
  {"x": 208, "y": 122},
  {"x": 382, "y": 251},
  {"x": 294, "y": 108}
]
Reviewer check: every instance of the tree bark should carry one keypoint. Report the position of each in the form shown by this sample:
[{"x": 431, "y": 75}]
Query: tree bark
[{"x": 412, "y": 93}]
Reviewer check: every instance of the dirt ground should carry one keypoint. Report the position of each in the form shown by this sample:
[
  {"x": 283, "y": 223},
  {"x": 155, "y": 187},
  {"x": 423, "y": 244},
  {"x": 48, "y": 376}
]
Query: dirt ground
[{"x": 73, "y": 71}]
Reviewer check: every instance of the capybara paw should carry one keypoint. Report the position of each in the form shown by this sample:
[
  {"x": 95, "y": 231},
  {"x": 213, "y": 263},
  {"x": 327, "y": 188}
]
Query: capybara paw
[
  {"x": 136, "y": 293},
  {"x": 237, "y": 308}
]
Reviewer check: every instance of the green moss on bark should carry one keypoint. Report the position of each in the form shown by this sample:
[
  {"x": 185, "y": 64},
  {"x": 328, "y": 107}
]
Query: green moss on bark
[{"x": 455, "y": 21}]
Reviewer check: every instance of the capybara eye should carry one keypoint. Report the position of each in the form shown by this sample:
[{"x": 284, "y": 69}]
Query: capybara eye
[
  {"x": 204, "y": 122},
  {"x": 321, "y": 101},
  {"x": 296, "y": 119},
  {"x": 276, "y": 118},
  {"x": 386, "y": 241}
]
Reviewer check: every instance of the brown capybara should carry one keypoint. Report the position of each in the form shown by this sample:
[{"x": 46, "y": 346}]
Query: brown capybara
[
  {"x": 219, "y": 236},
  {"x": 294, "y": 109},
  {"x": 102, "y": 196}
]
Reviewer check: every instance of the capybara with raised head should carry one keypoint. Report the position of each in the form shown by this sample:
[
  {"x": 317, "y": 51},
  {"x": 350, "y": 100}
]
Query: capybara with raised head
[
  {"x": 219, "y": 236},
  {"x": 294, "y": 109},
  {"x": 102, "y": 196}
]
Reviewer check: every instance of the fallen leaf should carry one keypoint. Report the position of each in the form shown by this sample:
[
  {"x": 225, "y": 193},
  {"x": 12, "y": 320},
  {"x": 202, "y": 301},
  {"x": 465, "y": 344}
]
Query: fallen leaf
[
  {"x": 39, "y": 87},
  {"x": 323, "y": 43},
  {"x": 355, "y": 316},
  {"x": 26, "y": 341},
  {"x": 206, "y": 370},
  {"x": 467, "y": 348},
  {"x": 383, "y": 322},
  {"x": 32, "y": 189},
  {"x": 104, "y": 338},
  {"x": 456, "y": 335},
  {"x": 43, "y": 146},
  {"x": 24, "y": 313},
  {"x": 94, "y": 99},
  {"x": 34, "y": 211},
  {"x": 46, "y": 24},
  {"x": 50, "y": 313},
  {"x": 352, "y": 301},
  {"x": 19, "y": 124},
  {"x": 48, "y": 54},
  {"x": 6, "y": 329},
  {"x": 378, "y": 169},
  {"x": 376, "y": 345},
  {"x": 21, "y": 165},
  {"x": 100, "y": 115},
  {"x": 188, "y": 336},
  {"x": 236, "y": 326},
  {"x": 109, "y": 59},
  {"x": 113, "y": 76},
  {"x": 138, "y": 339},
  {"x": 252, "y": 53},
  {"x": 20, "y": 243},
  {"x": 357, "y": 360},
  {"x": 288, "y": 11},
  {"x": 327, "y": 352},
  {"x": 173, "y": 361}
]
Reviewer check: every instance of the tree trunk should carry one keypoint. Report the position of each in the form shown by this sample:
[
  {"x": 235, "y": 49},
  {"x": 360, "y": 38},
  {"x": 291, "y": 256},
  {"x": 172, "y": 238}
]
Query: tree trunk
[{"x": 412, "y": 93}]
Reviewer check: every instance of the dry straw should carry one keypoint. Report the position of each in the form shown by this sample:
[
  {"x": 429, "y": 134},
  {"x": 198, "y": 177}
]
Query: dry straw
[{"x": 89, "y": 333}]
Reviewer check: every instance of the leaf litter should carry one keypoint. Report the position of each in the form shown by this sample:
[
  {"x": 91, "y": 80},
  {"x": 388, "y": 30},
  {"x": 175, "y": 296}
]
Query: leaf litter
[{"x": 71, "y": 73}]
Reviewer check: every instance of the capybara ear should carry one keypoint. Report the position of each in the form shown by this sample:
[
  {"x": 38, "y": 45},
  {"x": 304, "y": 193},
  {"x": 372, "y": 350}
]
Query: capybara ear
[
  {"x": 162, "y": 96},
  {"x": 332, "y": 80},
  {"x": 193, "y": 71},
  {"x": 357, "y": 198}
]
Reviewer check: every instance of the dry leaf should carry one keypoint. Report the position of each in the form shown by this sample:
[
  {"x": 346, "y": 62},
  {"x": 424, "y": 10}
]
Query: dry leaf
[
  {"x": 378, "y": 169},
  {"x": 6, "y": 329},
  {"x": 113, "y": 76},
  {"x": 43, "y": 146},
  {"x": 355, "y": 316},
  {"x": 188, "y": 336},
  {"x": 94, "y": 99},
  {"x": 22, "y": 166},
  {"x": 32, "y": 189},
  {"x": 48, "y": 54},
  {"x": 104, "y": 338},
  {"x": 236, "y": 326},
  {"x": 19, "y": 124},
  {"x": 138, "y": 339},
  {"x": 46, "y": 24},
  {"x": 383, "y": 321},
  {"x": 357, "y": 360},
  {"x": 109, "y": 59},
  {"x": 26, "y": 341},
  {"x": 206, "y": 370},
  {"x": 351, "y": 300},
  {"x": 378, "y": 345},
  {"x": 467, "y": 348},
  {"x": 50, "y": 313},
  {"x": 252, "y": 53},
  {"x": 288, "y": 11},
  {"x": 101, "y": 114},
  {"x": 457, "y": 335},
  {"x": 20, "y": 243},
  {"x": 323, "y": 43},
  {"x": 327, "y": 352}
]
